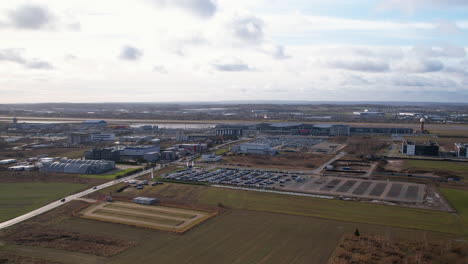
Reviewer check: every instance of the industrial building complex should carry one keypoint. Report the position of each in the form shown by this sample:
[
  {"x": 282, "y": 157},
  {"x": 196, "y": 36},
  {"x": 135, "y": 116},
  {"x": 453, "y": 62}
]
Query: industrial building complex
[
  {"x": 78, "y": 166},
  {"x": 307, "y": 129}
]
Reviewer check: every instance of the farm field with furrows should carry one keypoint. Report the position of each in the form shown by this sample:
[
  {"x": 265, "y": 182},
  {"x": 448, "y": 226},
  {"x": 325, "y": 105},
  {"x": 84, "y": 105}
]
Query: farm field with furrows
[{"x": 236, "y": 236}]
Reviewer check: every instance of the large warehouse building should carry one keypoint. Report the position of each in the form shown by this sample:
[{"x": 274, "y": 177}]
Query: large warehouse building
[
  {"x": 78, "y": 166},
  {"x": 255, "y": 148},
  {"x": 308, "y": 129}
]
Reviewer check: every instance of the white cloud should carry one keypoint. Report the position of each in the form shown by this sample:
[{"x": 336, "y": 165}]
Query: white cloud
[
  {"x": 16, "y": 56},
  {"x": 359, "y": 65},
  {"x": 160, "y": 69},
  {"x": 30, "y": 17},
  {"x": 447, "y": 27},
  {"x": 450, "y": 51},
  {"x": 418, "y": 66},
  {"x": 202, "y": 8},
  {"x": 247, "y": 28},
  {"x": 130, "y": 53},
  {"x": 39, "y": 65},
  {"x": 411, "y": 6},
  {"x": 232, "y": 66},
  {"x": 276, "y": 52}
]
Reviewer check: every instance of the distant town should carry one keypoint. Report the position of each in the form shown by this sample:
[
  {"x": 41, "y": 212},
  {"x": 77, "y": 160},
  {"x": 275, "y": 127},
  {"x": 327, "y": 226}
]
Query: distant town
[{"x": 173, "y": 168}]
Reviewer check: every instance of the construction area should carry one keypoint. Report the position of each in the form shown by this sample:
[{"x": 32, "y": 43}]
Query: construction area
[
  {"x": 350, "y": 168},
  {"x": 155, "y": 217},
  {"x": 366, "y": 189}
]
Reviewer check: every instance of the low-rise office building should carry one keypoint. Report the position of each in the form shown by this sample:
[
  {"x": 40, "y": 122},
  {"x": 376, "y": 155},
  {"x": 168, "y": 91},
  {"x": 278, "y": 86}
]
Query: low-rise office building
[
  {"x": 193, "y": 148},
  {"x": 379, "y": 130},
  {"x": 103, "y": 137},
  {"x": 412, "y": 148},
  {"x": 79, "y": 138},
  {"x": 136, "y": 152},
  {"x": 94, "y": 123},
  {"x": 255, "y": 148},
  {"x": 103, "y": 154},
  {"x": 152, "y": 156}
]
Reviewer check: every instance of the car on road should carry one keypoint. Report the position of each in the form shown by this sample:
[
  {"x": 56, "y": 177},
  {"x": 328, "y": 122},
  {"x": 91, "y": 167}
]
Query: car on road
[{"x": 63, "y": 200}]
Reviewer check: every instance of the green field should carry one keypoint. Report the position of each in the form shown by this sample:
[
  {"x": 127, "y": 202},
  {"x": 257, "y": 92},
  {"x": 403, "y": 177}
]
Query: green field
[
  {"x": 305, "y": 206},
  {"x": 458, "y": 168},
  {"x": 19, "y": 198},
  {"x": 221, "y": 151},
  {"x": 459, "y": 200},
  {"x": 335, "y": 209},
  {"x": 111, "y": 176}
]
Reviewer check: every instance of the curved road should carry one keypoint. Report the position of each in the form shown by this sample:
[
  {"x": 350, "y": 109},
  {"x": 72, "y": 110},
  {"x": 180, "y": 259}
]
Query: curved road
[{"x": 58, "y": 203}]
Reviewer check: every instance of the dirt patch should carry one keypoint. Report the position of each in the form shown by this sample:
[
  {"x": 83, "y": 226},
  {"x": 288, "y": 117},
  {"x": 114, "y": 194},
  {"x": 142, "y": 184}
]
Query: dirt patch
[
  {"x": 391, "y": 165},
  {"x": 377, "y": 249},
  {"x": 7, "y": 258},
  {"x": 296, "y": 161},
  {"x": 38, "y": 232},
  {"x": 71, "y": 241},
  {"x": 365, "y": 147}
]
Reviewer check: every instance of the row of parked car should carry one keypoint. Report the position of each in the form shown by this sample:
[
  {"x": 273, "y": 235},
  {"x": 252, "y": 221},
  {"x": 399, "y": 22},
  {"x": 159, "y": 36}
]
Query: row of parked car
[
  {"x": 139, "y": 184},
  {"x": 240, "y": 177}
]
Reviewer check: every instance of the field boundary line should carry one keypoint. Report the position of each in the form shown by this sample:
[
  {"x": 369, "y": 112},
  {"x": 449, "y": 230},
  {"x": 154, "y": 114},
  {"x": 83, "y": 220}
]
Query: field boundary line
[{"x": 278, "y": 192}]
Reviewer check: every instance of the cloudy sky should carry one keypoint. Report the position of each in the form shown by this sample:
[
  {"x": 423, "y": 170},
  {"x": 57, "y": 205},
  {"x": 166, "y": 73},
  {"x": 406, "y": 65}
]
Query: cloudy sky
[{"x": 210, "y": 50}]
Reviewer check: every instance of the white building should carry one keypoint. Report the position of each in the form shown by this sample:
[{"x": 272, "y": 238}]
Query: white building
[
  {"x": 409, "y": 148},
  {"x": 22, "y": 168},
  {"x": 135, "y": 139},
  {"x": 138, "y": 151},
  {"x": 462, "y": 150},
  {"x": 103, "y": 137},
  {"x": 7, "y": 161},
  {"x": 368, "y": 112},
  {"x": 255, "y": 148},
  {"x": 210, "y": 157}
]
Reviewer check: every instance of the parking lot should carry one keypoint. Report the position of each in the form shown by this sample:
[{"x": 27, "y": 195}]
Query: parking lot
[
  {"x": 296, "y": 182},
  {"x": 368, "y": 189},
  {"x": 239, "y": 177}
]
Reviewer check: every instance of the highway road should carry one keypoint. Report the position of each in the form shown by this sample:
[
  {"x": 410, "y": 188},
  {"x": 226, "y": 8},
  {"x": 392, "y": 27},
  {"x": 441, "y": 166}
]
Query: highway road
[{"x": 72, "y": 197}]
